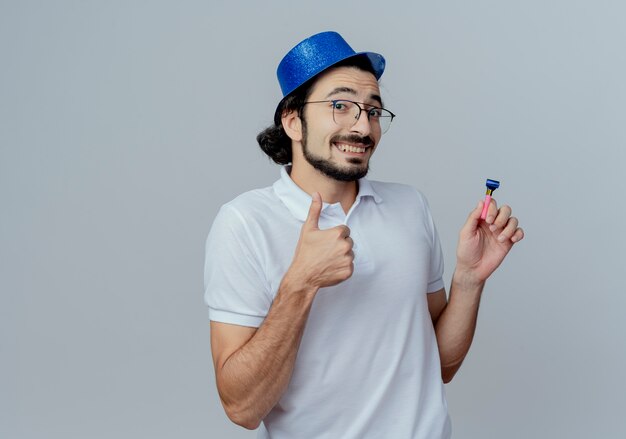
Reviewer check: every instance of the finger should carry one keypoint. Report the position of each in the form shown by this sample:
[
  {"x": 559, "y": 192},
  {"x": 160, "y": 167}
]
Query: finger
[
  {"x": 473, "y": 218},
  {"x": 313, "y": 218},
  {"x": 518, "y": 236},
  {"x": 492, "y": 212},
  {"x": 350, "y": 270},
  {"x": 350, "y": 242},
  {"x": 502, "y": 217},
  {"x": 509, "y": 229},
  {"x": 344, "y": 231}
]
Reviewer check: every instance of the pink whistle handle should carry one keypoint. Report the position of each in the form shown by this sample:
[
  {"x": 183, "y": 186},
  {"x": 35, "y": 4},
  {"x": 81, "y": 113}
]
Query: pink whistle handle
[{"x": 483, "y": 215}]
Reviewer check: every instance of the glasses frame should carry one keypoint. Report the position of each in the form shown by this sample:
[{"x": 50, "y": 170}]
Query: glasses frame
[{"x": 358, "y": 104}]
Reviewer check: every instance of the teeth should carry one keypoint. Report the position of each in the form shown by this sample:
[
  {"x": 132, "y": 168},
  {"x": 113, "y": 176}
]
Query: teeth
[{"x": 350, "y": 148}]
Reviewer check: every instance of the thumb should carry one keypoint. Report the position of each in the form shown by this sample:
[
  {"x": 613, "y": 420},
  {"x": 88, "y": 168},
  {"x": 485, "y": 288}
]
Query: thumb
[
  {"x": 312, "y": 220},
  {"x": 473, "y": 219}
]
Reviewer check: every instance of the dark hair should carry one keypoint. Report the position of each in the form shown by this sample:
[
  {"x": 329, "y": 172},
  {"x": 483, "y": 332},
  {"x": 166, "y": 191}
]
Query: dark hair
[{"x": 273, "y": 140}]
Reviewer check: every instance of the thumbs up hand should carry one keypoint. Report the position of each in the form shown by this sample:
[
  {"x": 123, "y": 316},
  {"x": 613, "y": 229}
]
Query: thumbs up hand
[{"x": 323, "y": 258}]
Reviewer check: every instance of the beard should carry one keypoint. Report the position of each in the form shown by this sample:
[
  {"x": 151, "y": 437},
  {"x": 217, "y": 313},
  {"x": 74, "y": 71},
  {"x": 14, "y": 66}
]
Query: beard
[{"x": 333, "y": 170}]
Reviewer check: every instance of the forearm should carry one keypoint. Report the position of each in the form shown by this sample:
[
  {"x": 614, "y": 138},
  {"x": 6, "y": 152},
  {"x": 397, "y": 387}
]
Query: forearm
[
  {"x": 456, "y": 325},
  {"x": 252, "y": 379}
]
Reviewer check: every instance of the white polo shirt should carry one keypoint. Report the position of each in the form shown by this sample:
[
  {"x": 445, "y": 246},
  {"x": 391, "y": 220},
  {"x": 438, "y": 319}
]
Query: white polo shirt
[{"x": 368, "y": 364}]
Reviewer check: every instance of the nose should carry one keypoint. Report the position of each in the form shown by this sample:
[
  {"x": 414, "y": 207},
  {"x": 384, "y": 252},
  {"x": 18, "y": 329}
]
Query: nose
[{"x": 362, "y": 124}]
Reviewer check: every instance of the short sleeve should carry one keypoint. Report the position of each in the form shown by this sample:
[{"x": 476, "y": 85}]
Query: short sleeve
[
  {"x": 435, "y": 273},
  {"x": 235, "y": 287}
]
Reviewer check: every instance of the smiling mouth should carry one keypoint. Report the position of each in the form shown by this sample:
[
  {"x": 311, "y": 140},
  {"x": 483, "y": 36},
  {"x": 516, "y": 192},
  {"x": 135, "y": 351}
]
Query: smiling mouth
[{"x": 343, "y": 147}]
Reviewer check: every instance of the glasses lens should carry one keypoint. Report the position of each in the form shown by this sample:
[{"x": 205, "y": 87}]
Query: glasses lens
[
  {"x": 384, "y": 120},
  {"x": 346, "y": 114}
]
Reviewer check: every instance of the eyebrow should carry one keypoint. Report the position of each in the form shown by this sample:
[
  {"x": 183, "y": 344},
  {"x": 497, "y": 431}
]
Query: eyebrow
[{"x": 351, "y": 91}]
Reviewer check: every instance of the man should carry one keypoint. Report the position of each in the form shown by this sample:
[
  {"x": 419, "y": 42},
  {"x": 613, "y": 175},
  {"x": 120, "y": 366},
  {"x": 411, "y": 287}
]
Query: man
[{"x": 329, "y": 317}]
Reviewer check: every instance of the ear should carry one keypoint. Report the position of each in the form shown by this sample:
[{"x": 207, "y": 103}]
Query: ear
[{"x": 292, "y": 124}]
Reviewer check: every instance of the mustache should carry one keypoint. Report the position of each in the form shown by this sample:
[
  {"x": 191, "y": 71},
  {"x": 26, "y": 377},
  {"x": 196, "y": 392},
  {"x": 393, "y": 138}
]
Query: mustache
[{"x": 353, "y": 138}]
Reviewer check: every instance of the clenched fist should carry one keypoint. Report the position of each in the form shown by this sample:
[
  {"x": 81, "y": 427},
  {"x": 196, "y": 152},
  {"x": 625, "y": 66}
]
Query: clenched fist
[{"x": 323, "y": 258}]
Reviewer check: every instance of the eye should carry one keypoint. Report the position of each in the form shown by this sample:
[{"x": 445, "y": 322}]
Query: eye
[
  {"x": 375, "y": 112},
  {"x": 340, "y": 105}
]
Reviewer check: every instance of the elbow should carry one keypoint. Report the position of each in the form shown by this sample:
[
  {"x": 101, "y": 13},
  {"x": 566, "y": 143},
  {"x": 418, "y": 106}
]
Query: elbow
[
  {"x": 242, "y": 417},
  {"x": 241, "y": 410},
  {"x": 249, "y": 424},
  {"x": 447, "y": 373}
]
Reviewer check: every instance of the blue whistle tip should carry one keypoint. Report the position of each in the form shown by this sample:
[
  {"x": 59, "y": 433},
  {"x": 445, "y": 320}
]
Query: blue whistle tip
[{"x": 492, "y": 184}]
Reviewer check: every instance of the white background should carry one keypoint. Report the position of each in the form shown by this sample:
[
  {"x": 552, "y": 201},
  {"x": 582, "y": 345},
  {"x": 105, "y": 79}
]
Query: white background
[{"x": 124, "y": 125}]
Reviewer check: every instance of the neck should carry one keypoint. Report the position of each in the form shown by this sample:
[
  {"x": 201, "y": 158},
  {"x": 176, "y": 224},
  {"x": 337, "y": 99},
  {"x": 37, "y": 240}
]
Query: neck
[{"x": 332, "y": 191}]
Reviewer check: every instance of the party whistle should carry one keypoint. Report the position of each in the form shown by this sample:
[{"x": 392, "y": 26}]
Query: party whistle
[{"x": 492, "y": 185}]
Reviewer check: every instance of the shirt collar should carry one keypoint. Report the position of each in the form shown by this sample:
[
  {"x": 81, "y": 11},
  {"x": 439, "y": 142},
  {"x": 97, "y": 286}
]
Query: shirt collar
[{"x": 298, "y": 201}]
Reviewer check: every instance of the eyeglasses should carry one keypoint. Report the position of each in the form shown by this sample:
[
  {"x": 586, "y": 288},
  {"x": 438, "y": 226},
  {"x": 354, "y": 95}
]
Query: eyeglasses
[{"x": 346, "y": 114}]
